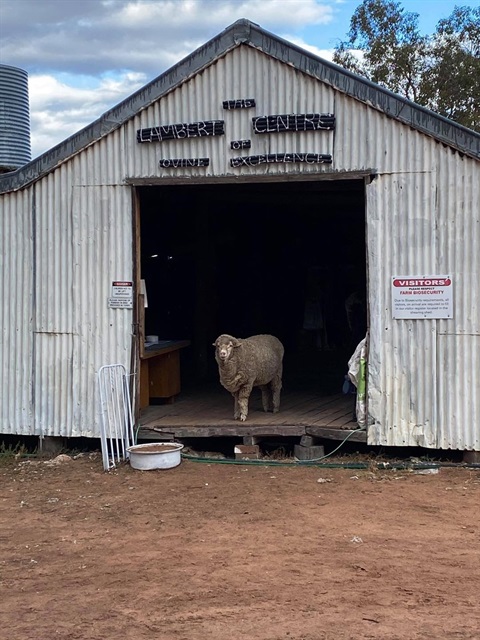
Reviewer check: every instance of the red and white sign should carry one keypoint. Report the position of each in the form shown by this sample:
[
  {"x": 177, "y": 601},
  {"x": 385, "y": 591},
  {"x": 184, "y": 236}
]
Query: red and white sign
[
  {"x": 122, "y": 295},
  {"x": 422, "y": 297},
  {"x": 122, "y": 289}
]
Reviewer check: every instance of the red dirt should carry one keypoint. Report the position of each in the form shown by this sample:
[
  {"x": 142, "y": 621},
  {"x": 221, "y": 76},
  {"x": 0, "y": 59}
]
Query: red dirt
[{"x": 213, "y": 551}]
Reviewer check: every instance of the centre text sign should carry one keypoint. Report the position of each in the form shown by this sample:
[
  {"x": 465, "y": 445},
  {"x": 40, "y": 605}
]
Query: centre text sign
[
  {"x": 422, "y": 297},
  {"x": 293, "y": 122}
]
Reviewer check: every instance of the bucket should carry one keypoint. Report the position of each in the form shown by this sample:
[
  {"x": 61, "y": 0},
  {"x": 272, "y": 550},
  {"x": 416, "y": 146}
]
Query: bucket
[{"x": 155, "y": 455}]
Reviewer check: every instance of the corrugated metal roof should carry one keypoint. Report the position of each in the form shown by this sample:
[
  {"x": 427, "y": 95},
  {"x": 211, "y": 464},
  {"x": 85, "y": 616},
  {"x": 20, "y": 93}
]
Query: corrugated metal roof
[{"x": 247, "y": 33}]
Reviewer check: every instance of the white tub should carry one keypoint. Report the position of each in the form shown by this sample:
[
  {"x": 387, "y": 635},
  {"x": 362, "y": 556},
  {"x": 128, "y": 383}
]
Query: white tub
[{"x": 155, "y": 455}]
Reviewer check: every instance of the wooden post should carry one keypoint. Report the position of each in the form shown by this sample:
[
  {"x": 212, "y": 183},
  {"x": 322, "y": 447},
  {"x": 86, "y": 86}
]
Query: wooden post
[{"x": 138, "y": 308}]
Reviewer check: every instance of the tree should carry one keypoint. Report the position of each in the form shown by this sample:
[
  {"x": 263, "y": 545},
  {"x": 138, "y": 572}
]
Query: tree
[
  {"x": 451, "y": 85},
  {"x": 440, "y": 72}
]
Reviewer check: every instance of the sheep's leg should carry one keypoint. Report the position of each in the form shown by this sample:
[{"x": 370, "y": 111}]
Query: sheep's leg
[
  {"x": 243, "y": 396},
  {"x": 266, "y": 397},
  {"x": 276, "y": 386},
  {"x": 236, "y": 409}
]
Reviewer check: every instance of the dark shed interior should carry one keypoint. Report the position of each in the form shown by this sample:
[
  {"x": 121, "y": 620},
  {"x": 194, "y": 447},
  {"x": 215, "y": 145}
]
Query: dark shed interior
[{"x": 287, "y": 258}]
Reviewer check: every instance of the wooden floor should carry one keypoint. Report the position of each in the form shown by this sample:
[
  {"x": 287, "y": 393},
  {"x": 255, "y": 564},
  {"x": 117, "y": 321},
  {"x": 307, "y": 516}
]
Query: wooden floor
[{"x": 209, "y": 413}]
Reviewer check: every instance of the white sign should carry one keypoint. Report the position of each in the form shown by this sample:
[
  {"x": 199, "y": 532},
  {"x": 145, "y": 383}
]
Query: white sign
[
  {"x": 122, "y": 289},
  {"x": 120, "y": 303},
  {"x": 122, "y": 295},
  {"x": 422, "y": 297}
]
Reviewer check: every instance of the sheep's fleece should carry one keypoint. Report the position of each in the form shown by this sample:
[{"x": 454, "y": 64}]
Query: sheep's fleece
[{"x": 250, "y": 362}]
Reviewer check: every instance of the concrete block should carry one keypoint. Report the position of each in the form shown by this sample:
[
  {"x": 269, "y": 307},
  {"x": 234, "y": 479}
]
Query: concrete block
[
  {"x": 308, "y": 441},
  {"x": 247, "y": 452},
  {"x": 51, "y": 445},
  {"x": 308, "y": 453},
  {"x": 471, "y": 457}
]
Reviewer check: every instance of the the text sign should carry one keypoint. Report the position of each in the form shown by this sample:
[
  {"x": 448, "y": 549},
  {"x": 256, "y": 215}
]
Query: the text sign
[
  {"x": 182, "y": 130},
  {"x": 247, "y": 103},
  {"x": 422, "y": 297},
  {"x": 293, "y": 122},
  {"x": 253, "y": 161}
]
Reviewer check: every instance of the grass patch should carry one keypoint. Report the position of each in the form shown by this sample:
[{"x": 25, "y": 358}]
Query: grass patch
[{"x": 10, "y": 452}]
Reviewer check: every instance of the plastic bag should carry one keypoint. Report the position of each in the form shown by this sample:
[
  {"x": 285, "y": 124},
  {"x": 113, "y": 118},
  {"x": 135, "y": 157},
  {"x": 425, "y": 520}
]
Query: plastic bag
[{"x": 357, "y": 368}]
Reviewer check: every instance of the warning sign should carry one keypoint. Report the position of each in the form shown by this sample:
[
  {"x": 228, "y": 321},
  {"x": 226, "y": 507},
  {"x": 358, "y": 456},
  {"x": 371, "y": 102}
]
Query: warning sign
[
  {"x": 422, "y": 297},
  {"x": 122, "y": 289},
  {"x": 122, "y": 295}
]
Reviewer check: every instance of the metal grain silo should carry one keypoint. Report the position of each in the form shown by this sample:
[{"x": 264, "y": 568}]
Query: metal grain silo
[{"x": 15, "y": 148}]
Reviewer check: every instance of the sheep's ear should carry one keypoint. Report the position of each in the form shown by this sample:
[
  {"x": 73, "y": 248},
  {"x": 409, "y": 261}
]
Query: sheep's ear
[{"x": 235, "y": 343}]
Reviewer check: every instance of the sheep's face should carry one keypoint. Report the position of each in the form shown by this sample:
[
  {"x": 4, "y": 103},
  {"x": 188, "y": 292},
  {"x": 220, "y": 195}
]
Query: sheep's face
[{"x": 224, "y": 350}]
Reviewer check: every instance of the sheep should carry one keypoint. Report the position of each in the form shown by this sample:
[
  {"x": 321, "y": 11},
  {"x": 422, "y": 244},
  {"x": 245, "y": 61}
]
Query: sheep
[{"x": 250, "y": 362}]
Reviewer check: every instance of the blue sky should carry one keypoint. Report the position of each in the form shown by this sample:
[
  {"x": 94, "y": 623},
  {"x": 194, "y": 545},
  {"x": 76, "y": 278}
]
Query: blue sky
[
  {"x": 429, "y": 11},
  {"x": 84, "y": 56}
]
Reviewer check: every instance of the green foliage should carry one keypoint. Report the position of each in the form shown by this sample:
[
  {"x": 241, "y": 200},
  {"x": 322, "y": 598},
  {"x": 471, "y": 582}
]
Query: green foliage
[
  {"x": 451, "y": 85},
  {"x": 440, "y": 72},
  {"x": 9, "y": 452}
]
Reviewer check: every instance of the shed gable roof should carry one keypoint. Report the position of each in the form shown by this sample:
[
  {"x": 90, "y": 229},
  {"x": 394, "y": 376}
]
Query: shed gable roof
[{"x": 245, "y": 32}]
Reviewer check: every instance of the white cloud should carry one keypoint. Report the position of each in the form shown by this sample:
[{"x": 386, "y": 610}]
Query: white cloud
[
  {"x": 58, "y": 109},
  {"x": 326, "y": 54},
  {"x": 84, "y": 57},
  {"x": 199, "y": 13},
  {"x": 141, "y": 35}
]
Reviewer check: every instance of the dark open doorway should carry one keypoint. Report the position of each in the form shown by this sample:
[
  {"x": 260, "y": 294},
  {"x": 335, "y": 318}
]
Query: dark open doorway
[{"x": 280, "y": 258}]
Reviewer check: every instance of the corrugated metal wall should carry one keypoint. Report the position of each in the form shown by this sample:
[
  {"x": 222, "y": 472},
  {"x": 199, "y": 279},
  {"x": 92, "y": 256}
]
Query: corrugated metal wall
[
  {"x": 457, "y": 415},
  {"x": 64, "y": 240},
  {"x": 83, "y": 235},
  {"x": 78, "y": 257},
  {"x": 103, "y": 253},
  {"x": 16, "y": 294},
  {"x": 53, "y": 309},
  {"x": 423, "y": 376},
  {"x": 402, "y": 363},
  {"x": 422, "y": 217}
]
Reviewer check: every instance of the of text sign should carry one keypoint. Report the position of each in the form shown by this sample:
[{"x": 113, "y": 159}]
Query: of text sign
[
  {"x": 240, "y": 144},
  {"x": 181, "y": 131},
  {"x": 422, "y": 297},
  {"x": 122, "y": 295}
]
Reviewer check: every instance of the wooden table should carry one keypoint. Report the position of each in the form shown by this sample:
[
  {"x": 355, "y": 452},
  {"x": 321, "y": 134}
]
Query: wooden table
[{"x": 160, "y": 371}]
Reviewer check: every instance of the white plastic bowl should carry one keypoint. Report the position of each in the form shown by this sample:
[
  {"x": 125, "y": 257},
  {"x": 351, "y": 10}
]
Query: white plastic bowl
[{"x": 155, "y": 455}]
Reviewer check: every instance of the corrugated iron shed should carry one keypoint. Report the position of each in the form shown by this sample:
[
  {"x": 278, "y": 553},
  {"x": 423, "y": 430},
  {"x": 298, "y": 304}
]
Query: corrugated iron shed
[{"x": 67, "y": 232}]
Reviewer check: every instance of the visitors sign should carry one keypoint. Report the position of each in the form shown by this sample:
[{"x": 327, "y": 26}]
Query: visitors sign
[{"x": 422, "y": 297}]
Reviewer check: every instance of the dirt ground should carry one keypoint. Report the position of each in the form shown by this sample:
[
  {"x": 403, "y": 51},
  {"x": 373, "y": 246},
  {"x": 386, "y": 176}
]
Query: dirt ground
[{"x": 216, "y": 551}]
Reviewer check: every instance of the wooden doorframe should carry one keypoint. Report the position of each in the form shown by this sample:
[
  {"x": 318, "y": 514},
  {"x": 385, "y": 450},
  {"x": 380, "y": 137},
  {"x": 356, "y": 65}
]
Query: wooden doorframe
[{"x": 138, "y": 306}]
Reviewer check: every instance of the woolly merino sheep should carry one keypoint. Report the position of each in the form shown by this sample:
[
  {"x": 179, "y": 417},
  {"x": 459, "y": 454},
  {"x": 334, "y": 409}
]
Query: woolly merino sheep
[{"x": 251, "y": 362}]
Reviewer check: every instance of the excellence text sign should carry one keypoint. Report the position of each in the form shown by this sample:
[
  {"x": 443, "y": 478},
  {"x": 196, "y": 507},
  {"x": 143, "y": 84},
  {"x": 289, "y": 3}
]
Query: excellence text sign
[{"x": 422, "y": 297}]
